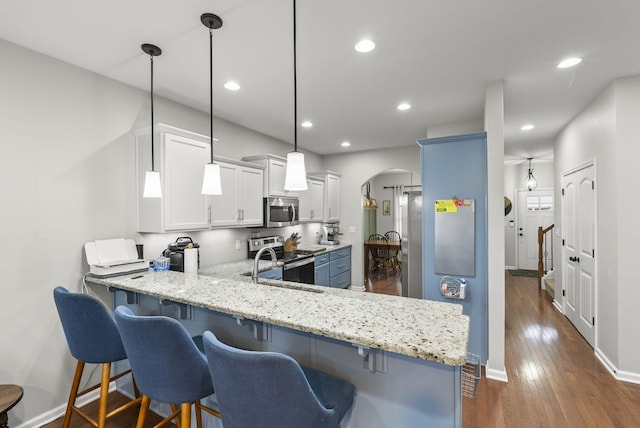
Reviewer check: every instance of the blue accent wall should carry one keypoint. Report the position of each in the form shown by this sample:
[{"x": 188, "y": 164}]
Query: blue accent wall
[{"x": 457, "y": 166}]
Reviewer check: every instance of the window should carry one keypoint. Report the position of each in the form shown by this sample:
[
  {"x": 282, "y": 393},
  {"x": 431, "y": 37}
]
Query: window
[{"x": 540, "y": 203}]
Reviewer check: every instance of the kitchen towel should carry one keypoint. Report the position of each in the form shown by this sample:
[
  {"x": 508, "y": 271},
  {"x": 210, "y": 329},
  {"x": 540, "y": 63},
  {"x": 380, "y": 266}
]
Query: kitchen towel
[{"x": 191, "y": 260}]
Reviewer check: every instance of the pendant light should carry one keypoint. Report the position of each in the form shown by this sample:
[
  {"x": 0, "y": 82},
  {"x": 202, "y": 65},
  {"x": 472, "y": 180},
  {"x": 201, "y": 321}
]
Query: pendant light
[
  {"x": 211, "y": 180},
  {"x": 152, "y": 188},
  {"x": 296, "y": 174},
  {"x": 532, "y": 183}
]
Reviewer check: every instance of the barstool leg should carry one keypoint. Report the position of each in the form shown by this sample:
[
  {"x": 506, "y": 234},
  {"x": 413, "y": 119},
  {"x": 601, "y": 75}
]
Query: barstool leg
[
  {"x": 104, "y": 395},
  {"x": 185, "y": 415},
  {"x": 144, "y": 407},
  {"x": 72, "y": 394},
  {"x": 198, "y": 414}
]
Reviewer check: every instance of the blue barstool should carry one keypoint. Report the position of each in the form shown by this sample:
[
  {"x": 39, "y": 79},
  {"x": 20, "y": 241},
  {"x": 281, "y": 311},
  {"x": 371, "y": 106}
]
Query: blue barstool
[
  {"x": 169, "y": 365},
  {"x": 269, "y": 389},
  {"x": 92, "y": 337}
]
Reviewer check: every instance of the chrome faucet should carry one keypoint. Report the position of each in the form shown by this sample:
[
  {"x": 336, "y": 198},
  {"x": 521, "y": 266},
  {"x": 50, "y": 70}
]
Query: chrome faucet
[{"x": 256, "y": 260}]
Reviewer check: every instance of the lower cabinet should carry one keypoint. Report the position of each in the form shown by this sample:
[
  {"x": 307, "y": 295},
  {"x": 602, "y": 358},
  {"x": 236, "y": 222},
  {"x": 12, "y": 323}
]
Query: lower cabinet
[
  {"x": 333, "y": 269},
  {"x": 275, "y": 273},
  {"x": 322, "y": 269}
]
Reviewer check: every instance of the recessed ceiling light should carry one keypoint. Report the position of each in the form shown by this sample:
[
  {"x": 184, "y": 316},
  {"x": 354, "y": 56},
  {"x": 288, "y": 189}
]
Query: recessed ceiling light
[
  {"x": 345, "y": 144},
  {"x": 306, "y": 124},
  {"x": 404, "y": 106},
  {"x": 570, "y": 62},
  {"x": 232, "y": 86},
  {"x": 527, "y": 127},
  {"x": 365, "y": 45}
]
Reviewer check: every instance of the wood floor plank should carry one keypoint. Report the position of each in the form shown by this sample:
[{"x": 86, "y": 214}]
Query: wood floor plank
[{"x": 555, "y": 380}]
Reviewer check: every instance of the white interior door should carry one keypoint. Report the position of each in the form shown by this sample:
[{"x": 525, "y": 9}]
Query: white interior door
[
  {"x": 579, "y": 250},
  {"x": 535, "y": 209}
]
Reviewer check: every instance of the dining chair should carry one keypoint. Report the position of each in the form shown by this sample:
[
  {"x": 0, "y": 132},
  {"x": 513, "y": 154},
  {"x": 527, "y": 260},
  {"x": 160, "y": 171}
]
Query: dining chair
[
  {"x": 271, "y": 390},
  {"x": 92, "y": 337},
  {"x": 169, "y": 365},
  {"x": 379, "y": 254},
  {"x": 394, "y": 255}
]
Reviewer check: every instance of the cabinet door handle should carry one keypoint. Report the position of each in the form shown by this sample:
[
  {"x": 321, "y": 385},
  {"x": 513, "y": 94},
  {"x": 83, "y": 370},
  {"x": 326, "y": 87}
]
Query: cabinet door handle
[{"x": 209, "y": 214}]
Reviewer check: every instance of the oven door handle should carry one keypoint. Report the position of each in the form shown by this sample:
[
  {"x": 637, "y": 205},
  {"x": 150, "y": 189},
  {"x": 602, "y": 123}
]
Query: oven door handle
[{"x": 289, "y": 266}]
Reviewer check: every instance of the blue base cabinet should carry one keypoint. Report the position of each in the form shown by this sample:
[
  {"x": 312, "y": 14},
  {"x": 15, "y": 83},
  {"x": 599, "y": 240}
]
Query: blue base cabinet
[
  {"x": 322, "y": 269},
  {"x": 333, "y": 268},
  {"x": 340, "y": 268}
]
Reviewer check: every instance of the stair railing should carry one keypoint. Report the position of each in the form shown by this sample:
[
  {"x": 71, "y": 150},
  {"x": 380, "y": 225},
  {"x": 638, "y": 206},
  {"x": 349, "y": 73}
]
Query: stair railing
[{"x": 542, "y": 242}]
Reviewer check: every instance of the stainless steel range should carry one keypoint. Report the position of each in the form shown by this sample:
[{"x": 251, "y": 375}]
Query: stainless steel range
[{"x": 296, "y": 267}]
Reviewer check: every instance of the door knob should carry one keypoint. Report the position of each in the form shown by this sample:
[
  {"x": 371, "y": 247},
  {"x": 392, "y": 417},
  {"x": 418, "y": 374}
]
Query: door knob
[{"x": 574, "y": 259}]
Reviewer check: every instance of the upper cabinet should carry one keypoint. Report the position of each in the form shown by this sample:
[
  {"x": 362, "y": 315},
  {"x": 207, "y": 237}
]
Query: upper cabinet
[
  {"x": 331, "y": 198},
  {"x": 180, "y": 157},
  {"x": 274, "y": 174},
  {"x": 241, "y": 201},
  {"x": 312, "y": 200}
]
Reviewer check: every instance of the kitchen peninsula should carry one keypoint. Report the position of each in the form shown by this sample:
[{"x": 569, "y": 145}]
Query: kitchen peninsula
[{"x": 404, "y": 355}]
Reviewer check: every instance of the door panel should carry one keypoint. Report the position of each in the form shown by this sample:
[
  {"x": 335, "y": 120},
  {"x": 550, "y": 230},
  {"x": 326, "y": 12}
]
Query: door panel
[
  {"x": 531, "y": 215},
  {"x": 579, "y": 250}
]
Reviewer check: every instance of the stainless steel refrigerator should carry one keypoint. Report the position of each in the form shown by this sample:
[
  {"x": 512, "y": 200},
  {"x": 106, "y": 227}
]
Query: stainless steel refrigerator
[{"x": 412, "y": 244}]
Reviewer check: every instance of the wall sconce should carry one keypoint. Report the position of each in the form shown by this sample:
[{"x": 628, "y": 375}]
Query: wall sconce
[
  {"x": 296, "y": 174},
  {"x": 211, "y": 181},
  {"x": 532, "y": 183},
  {"x": 152, "y": 188}
]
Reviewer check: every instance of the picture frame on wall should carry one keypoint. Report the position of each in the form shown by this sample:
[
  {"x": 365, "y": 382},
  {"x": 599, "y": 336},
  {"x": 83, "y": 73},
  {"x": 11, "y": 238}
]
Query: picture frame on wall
[{"x": 386, "y": 207}]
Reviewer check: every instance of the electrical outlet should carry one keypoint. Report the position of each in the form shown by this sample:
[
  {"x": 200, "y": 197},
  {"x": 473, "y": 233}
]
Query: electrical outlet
[{"x": 352, "y": 229}]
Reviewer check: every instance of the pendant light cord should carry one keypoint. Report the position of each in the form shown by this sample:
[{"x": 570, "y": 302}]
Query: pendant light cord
[
  {"x": 211, "y": 90},
  {"x": 152, "y": 122},
  {"x": 295, "y": 84}
]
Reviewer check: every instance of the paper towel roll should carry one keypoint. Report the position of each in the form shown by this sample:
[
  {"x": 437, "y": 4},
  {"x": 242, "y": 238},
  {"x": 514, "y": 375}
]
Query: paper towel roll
[{"x": 190, "y": 260}]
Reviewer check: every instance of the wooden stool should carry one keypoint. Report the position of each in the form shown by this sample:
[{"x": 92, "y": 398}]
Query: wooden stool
[{"x": 10, "y": 395}]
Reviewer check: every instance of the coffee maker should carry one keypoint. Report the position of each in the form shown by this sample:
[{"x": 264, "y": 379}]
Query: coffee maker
[{"x": 329, "y": 233}]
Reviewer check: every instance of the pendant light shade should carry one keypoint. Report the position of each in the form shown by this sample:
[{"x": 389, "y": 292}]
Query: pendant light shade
[
  {"x": 532, "y": 183},
  {"x": 152, "y": 188},
  {"x": 296, "y": 174},
  {"x": 211, "y": 181}
]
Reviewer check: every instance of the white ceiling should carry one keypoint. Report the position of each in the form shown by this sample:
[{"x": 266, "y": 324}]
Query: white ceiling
[{"x": 436, "y": 55}]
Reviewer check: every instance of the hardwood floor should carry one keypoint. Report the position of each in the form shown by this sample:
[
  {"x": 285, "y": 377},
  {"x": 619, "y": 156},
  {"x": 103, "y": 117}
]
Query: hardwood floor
[
  {"x": 379, "y": 282},
  {"x": 126, "y": 419},
  {"x": 555, "y": 380}
]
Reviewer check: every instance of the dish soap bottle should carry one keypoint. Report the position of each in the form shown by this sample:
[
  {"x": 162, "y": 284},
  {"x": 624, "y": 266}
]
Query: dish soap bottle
[{"x": 463, "y": 288}]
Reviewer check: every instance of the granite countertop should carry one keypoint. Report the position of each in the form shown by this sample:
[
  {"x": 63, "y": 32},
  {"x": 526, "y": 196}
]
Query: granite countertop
[{"x": 424, "y": 329}]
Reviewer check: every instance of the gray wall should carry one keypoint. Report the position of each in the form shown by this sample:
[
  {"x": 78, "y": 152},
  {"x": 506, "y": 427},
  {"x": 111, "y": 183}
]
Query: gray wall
[
  {"x": 606, "y": 131},
  {"x": 67, "y": 177}
]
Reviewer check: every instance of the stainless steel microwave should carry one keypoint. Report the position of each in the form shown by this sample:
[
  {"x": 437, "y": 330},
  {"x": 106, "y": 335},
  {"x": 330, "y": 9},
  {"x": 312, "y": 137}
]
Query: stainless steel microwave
[{"x": 281, "y": 211}]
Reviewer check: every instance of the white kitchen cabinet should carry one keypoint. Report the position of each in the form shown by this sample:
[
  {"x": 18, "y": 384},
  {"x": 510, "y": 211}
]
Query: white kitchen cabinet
[
  {"x": 274, "y": 174},
  {"x": 240, "y": 204},
  {"x": 312, "y": 201},
  {"x": 180, "y": 157},
  {"x": 331, "y": 197}
]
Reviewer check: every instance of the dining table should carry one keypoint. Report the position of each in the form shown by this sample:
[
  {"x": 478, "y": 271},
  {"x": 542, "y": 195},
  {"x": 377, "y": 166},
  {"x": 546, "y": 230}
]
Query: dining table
[{"x": 378, "y": 244}]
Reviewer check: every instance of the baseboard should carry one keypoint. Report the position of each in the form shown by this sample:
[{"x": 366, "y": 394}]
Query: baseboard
[
  {"x": 620, "y": 375},
  {"x": 500, "y": 375},
  {"x": 558, "y": 306},
  {"x": 58, "y": 412},
  {"x": 510, "y": 268}
]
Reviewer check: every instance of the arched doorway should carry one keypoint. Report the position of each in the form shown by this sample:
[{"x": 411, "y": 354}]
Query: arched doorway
[{"x": 386, "y": 208}]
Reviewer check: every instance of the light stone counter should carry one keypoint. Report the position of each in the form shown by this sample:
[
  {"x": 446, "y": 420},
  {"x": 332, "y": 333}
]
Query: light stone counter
[{"x": 427, "y": 330}]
